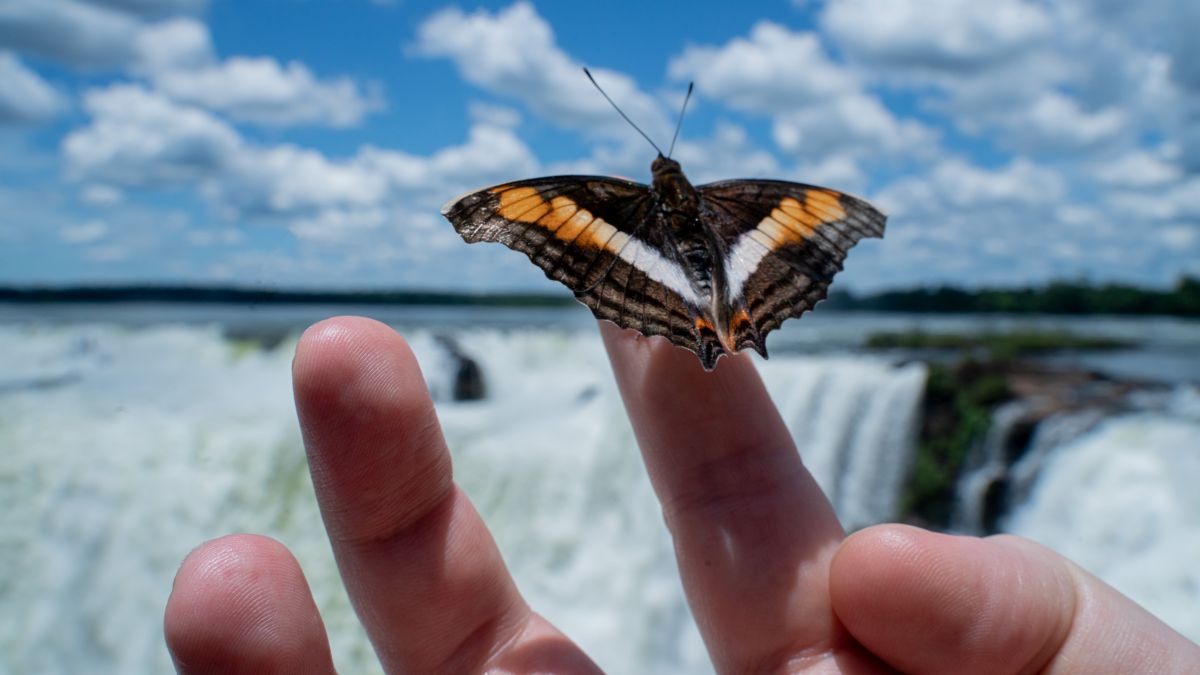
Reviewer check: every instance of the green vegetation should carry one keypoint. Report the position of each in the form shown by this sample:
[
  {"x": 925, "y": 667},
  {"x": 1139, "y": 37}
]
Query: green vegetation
[
  {"x": 960, "y": 396},
  {"x": 994, "y": 345},
  {"x": 1057, "y": 298},
  {"x": 958, "y": 403}
]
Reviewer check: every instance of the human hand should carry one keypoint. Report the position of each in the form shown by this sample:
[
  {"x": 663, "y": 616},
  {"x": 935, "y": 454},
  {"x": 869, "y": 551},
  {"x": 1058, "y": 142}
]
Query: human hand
[{"x": 771, "y": 579}]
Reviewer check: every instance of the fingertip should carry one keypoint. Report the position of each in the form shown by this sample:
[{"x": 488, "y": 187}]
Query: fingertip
[
  {"x": 739, "y": 504},
  {"x": 420, "y": 565},
  {"x": 869, "y": 559},
  {"x": 375, "y": 447},
  {"x": 632, "y": 353},
  {"x": 331, "y": 351},
  {"x": 629, "y": 350},
  {"x": 240, "y": 604},
  {"x": 671, "y": 399},
  {"x": 925, "y": 601}
]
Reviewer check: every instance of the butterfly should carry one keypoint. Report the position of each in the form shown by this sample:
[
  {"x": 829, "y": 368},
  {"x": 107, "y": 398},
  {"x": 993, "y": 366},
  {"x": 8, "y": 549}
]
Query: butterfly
[{"x": 713, "y": 268}]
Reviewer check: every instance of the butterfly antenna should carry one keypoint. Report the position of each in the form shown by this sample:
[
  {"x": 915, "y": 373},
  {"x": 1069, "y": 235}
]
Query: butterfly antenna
[
  {"x": 619, "y": 111},
  {"x": 679, "y": 124}
]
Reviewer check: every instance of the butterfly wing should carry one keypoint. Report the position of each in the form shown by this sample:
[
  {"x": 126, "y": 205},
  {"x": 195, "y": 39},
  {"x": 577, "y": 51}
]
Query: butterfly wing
[
  {"x": 597, "y": 237},
  {"x": 784, "y": 243}
]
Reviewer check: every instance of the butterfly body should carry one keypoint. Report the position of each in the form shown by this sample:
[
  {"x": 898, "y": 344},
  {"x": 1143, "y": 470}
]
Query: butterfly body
[{"x": 712, "y": 268}]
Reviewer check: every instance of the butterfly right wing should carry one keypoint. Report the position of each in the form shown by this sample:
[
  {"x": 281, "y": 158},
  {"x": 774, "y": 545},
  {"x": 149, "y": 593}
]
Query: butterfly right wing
[
  {"x": 597, "y": 237},
  {"x": 785, "y": 242}
]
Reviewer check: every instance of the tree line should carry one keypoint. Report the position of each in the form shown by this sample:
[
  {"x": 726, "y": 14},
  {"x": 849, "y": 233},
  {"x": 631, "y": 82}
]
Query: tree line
[{"x": 1061, "y": 297}]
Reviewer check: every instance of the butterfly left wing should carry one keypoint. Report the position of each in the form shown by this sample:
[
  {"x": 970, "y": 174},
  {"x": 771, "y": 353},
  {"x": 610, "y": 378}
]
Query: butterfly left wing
[
  {"x": 595, "y": 236},
  {"x": 784, "y": 243}
]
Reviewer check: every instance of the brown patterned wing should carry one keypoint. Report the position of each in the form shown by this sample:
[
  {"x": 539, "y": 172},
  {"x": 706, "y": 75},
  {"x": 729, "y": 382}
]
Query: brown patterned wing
[
  {"x": 784, "y": 244},
  {"x": 597, "y": 237}
]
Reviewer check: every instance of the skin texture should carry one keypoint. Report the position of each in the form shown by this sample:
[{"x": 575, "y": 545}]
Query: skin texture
[{"x": 774, "y": 584}]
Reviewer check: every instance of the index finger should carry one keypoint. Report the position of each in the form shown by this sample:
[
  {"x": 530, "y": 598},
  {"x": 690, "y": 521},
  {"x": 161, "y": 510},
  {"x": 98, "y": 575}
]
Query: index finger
[
  {"x": 419, "y": 564},
  {"x": 753, "y": 532}
]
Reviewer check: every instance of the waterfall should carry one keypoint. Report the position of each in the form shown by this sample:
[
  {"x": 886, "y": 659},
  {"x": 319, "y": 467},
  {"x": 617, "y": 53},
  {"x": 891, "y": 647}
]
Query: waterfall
[
  {"x": 1002, "y": 469},
  {"x": 1051, "y": 433},
  {"x": 150, "y": 441},
  {"x": 1121, "y": 501},
  {"x": 1113, "y": 491},
  {"x": 122, "y": 448},
  {"x": 983, "y": 485},
  {"x": 854, "y": 420},
  {"x": 163, "y": 437}
]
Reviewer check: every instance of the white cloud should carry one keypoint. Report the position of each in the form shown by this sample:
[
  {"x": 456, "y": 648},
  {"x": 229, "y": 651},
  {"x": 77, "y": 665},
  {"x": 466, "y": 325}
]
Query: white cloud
[
  {"x": 178, "y": 57},
  {"x": 1056, "y": 121},
  {"x": 1088, "y": 112},
  {"x": 225, "y": 236},
  {"x": 108, "y": 253},
  {"x": 856, "y": 123},
  {"x": 491, "y": 154},
  {"x": 337, "y": 200},
  {"x": 1175, "y": 201},
  {"x": 177, "y": 44},
  {"x": 937, "y": 35},
  {"x": 142, "y": 138},
  {"x": 288, "y": 179},
  {"x": 1182, "y": 237},
  {"x": 1023, "y": 223},
  {"x": 987, "y": 65},
  {"x": 1061, "y": 79},
  {"x": 101, "y": 195},
  {"x": 627, "y": 160},
  {"x": 1137, "y": 168},
  {"x": 74, "y": 32},
  {"x": 1186, "y": 194},
  {"x": 1020, "y": 183},
  {"x": 841, "y": 171},
  {"x": 772, "y": 71},
  {"x": 339, "y": 224},
  {"x": 820, "y": 108},
  {"x": 513, "y": 53},
  {"x": 1145, "y": 55},
  {"x": 975, "y": 198},
  {"x": 1032, "y": 121},
  {"x": 153, "y": 8},
  {"x": 494, "y": 115},
  {"x": 84, "y": 233},
  {"x": 138, "y": 137},
  {"x": 24, "y": 96},
  {"x": 263, "y": 91},
  {"x": 729, "y": 153}
]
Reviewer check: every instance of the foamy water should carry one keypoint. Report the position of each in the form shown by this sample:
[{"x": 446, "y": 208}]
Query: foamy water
[
  {"x": 122, "y": 449},
  {"x": 1122, "y": 501}
]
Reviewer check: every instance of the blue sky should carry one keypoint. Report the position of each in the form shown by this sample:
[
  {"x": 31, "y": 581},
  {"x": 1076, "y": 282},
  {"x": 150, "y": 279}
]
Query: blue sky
[{"x": 310, "y": 143}]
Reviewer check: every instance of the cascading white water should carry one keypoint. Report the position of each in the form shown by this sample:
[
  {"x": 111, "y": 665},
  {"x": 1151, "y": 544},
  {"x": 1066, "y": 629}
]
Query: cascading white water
[
  {"x": 1052, "y": 432},
  {"x": 985, "y": 466},
  {"x": 854, "y": 420},
  {"x": 1121, "y": 501},
  {"x": 120, "y": 450}
]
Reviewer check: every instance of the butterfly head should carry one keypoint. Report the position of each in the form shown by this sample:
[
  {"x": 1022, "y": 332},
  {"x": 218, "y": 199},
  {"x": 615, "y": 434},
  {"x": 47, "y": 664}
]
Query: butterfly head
[
  {"x": 664, "y": 165},
  {"x": 671, "y": 186}
]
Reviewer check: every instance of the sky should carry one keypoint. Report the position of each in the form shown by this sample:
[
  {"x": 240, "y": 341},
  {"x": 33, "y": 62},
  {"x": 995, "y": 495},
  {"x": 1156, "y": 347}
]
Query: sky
[{"x": 311, "y": 143}]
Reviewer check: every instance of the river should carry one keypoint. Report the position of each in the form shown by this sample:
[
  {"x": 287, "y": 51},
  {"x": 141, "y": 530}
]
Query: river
[{"x": 131, "y": 433}]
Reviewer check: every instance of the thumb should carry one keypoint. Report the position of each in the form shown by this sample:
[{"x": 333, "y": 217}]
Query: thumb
[{"x": 937, "y": 603}]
